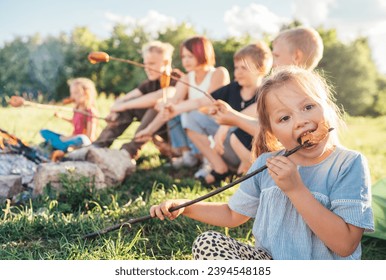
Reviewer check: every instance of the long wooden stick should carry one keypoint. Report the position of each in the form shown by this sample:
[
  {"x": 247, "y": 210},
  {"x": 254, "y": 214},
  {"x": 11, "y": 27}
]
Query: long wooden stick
[
  {"x": 96, "y": 57},
  {"x": 186, "y": 204},
  {"x": 18, "y": 101}
]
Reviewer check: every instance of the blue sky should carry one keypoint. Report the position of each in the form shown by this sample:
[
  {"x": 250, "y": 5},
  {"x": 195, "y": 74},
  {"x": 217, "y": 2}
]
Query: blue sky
[{"x": 218, "y": 18}]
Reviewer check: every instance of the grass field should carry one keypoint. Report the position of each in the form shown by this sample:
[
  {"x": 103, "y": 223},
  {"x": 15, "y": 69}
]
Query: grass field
[{"x": 51, "y": 226}]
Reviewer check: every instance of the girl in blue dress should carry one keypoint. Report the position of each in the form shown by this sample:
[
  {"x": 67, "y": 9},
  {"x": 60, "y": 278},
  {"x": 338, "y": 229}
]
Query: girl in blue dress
[{"x": 314, "y": 204}]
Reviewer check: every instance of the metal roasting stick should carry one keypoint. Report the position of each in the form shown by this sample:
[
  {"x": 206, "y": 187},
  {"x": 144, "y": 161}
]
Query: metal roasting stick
[{"x": 210, "y": 194}]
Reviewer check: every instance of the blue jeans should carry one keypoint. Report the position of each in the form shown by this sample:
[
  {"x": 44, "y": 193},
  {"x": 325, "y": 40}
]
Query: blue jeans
[
  {"x": 206, "y": 125},
  {"x": 178, "y": 136},
  {"x": 57, "y": 142}
]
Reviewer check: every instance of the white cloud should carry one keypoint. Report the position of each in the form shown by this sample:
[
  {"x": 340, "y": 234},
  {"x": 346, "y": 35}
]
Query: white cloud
[
  {"x": 377, "y": 40},
  {"x": 382, "y": 3},
  {"x": 152, "y": 23},
  {"x": 312, "y": 12},
  {"x": 253, "y": 20},
  {"x": 119, "y": 19},
  {"x": 364, "y": 19},
  {"x": 113, "y": 19}
]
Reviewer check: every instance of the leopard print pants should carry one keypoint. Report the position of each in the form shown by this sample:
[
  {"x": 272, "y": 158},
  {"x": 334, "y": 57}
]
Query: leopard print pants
[{"x": 212, "y": 245}]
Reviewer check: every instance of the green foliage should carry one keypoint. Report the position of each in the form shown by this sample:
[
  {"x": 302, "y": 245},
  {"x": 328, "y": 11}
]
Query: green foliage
[
  {"x": 175, "y": 36},
  {"x": 380, "y": 99},
  {"x": 80, "y": 43},
  {"x": 225, "y": 50},
  {"x": 78, "y": 192},
  {"x": 352, "y": 72},
  {"x": 44, "y": 66},
  {"x": 41, "y": 66},
  {"x": 47, "y": 67},
  {"x": 14, "y": 73},
  {"x": 366, "y": 135},
  {"x": 116, "y": 77}
]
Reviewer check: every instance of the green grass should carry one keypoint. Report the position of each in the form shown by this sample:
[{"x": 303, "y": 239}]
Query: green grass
[
  {"x": 51, "y": 226},
  {"x": 367, "y": 135}
]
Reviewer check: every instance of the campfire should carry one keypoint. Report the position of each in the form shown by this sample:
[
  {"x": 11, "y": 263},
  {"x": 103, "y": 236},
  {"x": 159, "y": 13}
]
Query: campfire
[{"x": 6, "y": 140}]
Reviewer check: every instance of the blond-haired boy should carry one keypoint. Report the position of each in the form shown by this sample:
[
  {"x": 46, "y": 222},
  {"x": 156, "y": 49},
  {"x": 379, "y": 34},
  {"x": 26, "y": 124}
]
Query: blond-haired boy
[{"x": 300, "y": 46}]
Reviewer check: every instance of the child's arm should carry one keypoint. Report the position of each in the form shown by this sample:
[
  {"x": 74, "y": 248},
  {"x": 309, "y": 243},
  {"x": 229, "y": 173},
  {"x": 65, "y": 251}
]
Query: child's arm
[
  {"x": 187, "y": 106},
  {"x": 118, "y": 105},
  {"x": 182, "y": 90},
  {"x": 217, "y": 214},
  {"x": 219, "y": 138},
  {"x": 180, "y": 105},
  {"x": 246, "y": 119},
  {"x": 167, "y": 112},
  {"x": 142, "y": 102},
  {"x": 91, "y": 129},
  {"x": 339, "y": 236},
  {"x": 60, "y": 116},
  {"x": 146, "y": 133},
  {"x": 135, "y": 93},
  {"x": 219, "y": 79}
]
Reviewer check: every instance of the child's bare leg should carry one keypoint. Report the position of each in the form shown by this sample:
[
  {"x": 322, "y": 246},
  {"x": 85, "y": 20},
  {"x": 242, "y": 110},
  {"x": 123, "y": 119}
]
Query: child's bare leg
[
  {"x": 201, "y": 141},
  {"x": 243, "y": 153}
]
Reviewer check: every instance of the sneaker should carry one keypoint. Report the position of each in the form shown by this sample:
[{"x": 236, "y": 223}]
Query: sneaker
[
  {"x": 186, "y": 160},
  {"x": 204, "y": 170},
  {"x": 164, "y": 147},
  {"x": 127, "y": 155}
]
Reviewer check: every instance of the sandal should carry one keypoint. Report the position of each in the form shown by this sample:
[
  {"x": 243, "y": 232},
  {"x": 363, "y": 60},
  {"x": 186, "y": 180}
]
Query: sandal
[{"x": 218, "y": 177}]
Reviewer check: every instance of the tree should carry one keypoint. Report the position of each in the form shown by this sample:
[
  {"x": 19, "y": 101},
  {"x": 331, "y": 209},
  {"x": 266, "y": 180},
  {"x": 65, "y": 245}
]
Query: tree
[
  {"x": 350, "y": 69},
  {"x": 119, "y": 77},
  {"x": 225, "y": 50},
  {"x": 380, "y": 98},
  {"x": 35, "y": 65},
  {"x": 175, "y": 36},
  {"x": 80, "y": 43},
  {"x": 47, "y": 66},
  {"x": 14, "y": 70}
]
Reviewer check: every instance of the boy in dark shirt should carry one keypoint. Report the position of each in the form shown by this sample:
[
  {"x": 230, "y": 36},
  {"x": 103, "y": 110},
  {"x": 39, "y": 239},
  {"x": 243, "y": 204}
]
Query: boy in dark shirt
[{"x": 138, "y": 104}]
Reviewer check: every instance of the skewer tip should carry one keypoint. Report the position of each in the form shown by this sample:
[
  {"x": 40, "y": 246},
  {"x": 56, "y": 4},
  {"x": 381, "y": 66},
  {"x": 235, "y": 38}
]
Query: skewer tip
[
  {"x": 165, "y": 79},
  {"x": 316, "y": 136},
  {"x": 96, "y": 57},
  {"x": 16, "y": 101}
]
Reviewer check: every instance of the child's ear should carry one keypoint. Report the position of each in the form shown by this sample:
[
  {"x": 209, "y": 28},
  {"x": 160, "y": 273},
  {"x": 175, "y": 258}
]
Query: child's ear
[{"x": 298, "y": 57}]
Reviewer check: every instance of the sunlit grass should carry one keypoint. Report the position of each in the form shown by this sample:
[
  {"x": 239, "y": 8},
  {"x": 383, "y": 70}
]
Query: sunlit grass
[
  {"x": 367, "y": 135},
  {"x": 51, "y": 226}
]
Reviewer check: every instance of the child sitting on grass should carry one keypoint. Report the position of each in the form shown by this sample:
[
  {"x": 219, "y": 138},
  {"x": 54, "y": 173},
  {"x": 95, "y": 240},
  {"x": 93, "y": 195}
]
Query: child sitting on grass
[
  {"x": 314, "y": 204},
  {"x": 83, "y": 94}
]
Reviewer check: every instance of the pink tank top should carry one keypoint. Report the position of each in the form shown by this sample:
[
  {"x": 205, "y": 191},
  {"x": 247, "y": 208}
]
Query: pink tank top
[{"x": 79, "y": 121}]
